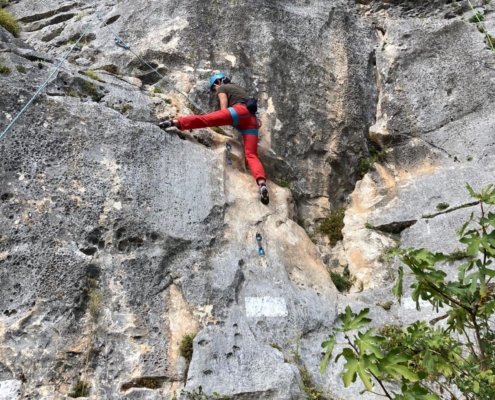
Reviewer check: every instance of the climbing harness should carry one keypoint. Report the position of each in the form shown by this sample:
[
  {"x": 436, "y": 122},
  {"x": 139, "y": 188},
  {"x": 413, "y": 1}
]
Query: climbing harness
[
  {"x": 228, "y": 147},
  {"x": 235, "y": 123},
  {"x": 261, "y": 251}
]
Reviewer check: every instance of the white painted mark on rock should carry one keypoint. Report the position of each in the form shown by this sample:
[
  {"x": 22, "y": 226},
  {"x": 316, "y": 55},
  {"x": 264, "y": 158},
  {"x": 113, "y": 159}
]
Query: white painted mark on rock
[{"x": 265, "y": 307}]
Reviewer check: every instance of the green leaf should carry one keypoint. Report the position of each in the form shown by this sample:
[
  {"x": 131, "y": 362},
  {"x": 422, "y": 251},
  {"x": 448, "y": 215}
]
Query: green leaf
[
  {"x": 476, "y": 387},
  {"x": 365, "y": 377},
  {"x": 350, "y": 371},
  {"x": 395, "y": 364},
  {"x": 367, "y": 343},
  {"x": 352, "y": 321},
  {"x": 461, "y": 231},
  {"x": 471, "y": 191},
  {"x": 397, "y": 289},
  {"x": 329, "y": 344}
]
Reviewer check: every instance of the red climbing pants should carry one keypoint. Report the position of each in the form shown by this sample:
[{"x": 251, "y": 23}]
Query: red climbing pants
[{"x": 239, "y": 117}]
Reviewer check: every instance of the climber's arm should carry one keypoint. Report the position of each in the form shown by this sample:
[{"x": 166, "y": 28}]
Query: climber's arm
[{"x": 223, "y": 101}]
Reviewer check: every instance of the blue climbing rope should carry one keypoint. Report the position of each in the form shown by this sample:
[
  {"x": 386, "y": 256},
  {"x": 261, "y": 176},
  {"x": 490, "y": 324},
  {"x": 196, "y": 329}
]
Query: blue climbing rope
[{"x": 9, "y": 126}]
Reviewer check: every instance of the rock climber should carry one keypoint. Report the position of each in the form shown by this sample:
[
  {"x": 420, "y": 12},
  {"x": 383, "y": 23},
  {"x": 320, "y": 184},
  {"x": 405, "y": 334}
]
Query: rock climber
[{"x": 233, "y": 111}]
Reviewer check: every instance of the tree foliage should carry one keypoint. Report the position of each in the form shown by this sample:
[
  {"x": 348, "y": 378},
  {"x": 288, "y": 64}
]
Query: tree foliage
[{"x": 425, "y": 361}]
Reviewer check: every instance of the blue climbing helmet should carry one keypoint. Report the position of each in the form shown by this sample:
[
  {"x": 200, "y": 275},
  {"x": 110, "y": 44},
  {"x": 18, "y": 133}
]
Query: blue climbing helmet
[{"x": 215, "y": 77}]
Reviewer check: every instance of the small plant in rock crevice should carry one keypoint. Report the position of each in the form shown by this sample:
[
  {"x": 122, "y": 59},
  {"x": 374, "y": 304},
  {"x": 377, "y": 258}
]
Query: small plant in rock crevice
[
  {"x": 218, "y": 130},
  {"x": 20, "y": 69},
  {"x": 386, "y": 305},
  {"x": 9, "y": 22},
  {"x": 112, "y": 69},
  {"x": 476, "y": 18},
  {"x": 125, "y": 108},
  {"x": 81, "y": 389},
  {"x": 93, "y": 75},
  {"x": 283, "y": 184},
  {"x": 312, "y": 391},
  {"x": 71, "y": 93},
  {"x": 4, "y": 70},
  {"x": 95, "y": 303},
  {"x": 186, "y": 350},
  {"x": 90, "y": 89},
  {"x": 332, "y": 226},
  {"x": 198, "y": 394},
  {"x": 343, "y": 282},
  {"x": 143, "y": 382},
  {"x": 442, "y": 206},
  {"x": 376, "y": 155},
  {"x": 457, "y": 255},
  {"x": 367, "y": 225}
]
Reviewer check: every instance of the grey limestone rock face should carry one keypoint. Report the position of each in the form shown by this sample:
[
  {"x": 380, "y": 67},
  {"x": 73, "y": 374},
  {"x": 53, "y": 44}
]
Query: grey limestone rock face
[{"x": 118, "y": 239}]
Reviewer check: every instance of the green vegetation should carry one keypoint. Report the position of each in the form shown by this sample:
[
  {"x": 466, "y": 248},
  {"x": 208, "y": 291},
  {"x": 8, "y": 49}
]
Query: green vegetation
[
  {"x": 457, "y": 255},
  {"x": 343, "y": 282},
  {"x": 425, "y": 361},
  {"x": 168, "y": 101},
  {"x": 386, "y": 305},
  {"x": 491, "y": 40},
  {"x": 145, "y": 382},
  {"x": 113, "y": 69},
  {"x": 469, "y": 158},
  {"x": 283, "y": 184},
  {"x": 276, "y": 346},
  {"x": 367, "y": 225},
  {"x": 197, "y": 394},
  {"x": 81, "y": 389},
  {"x": 93, "y": 75},
  {"x": 71, "y": 92},
  {"x": 90, "y": 89},
  {"x": 94, "y": 298},
  {"x": 193, "y": 108},
  {"x": 332, "y": 226},
  {"x": 312, "y": 391},
  {"x": 365, "y": 164},
  {"x": 476, "y": 18},
  {"x": 4, "y": 3},
  {"x": 218, "y": 130},
  {"x": 8, "y": 21},
  {"x": 4, "y": 70},
  {"x": 156, "y": 89},
  {"x": 21, "y": 69},
  {"x": 443, "y": 206},
  {"x": 455, "y": 5},
  {"x": 186, "y": 347},
  {"x": 125, "y": 108}
]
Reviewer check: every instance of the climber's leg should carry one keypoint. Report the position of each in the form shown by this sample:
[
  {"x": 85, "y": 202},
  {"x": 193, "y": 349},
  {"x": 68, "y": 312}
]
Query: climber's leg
[{"x": 216, "y": 118}]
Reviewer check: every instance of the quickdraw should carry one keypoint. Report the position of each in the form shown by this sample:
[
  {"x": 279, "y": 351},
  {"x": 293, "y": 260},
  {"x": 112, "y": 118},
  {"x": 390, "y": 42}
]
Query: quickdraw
[
  {"x": 228, "y": 147},
  {"x": 261, "y": 251},
  {"x": 120, "y": 43}
]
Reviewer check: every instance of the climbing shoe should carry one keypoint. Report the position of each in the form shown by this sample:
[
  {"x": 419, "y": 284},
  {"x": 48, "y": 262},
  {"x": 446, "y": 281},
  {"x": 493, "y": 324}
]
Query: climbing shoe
[
  {"x": 166, "y": 124},
  {"x": 264, "y": 194}
]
